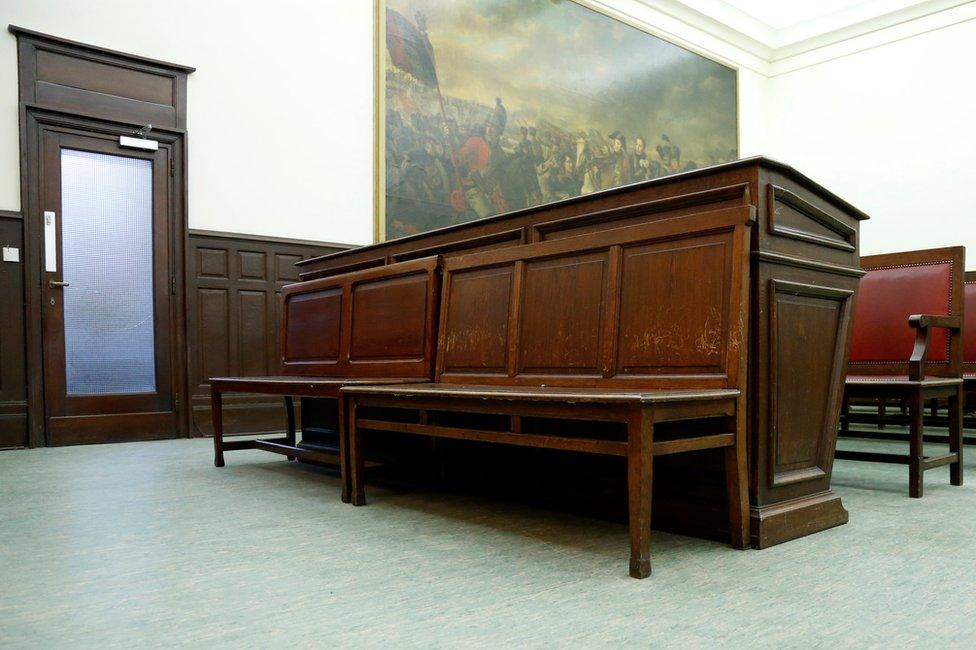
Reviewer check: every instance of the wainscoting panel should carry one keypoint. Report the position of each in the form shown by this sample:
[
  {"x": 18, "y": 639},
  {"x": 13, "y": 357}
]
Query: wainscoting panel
[
  {"x": 233, "y": 312},
  {"x": 13, "y": 377}
]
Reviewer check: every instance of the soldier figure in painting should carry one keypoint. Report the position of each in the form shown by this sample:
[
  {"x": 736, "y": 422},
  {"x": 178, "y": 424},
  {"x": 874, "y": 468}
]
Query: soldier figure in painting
[
  {"x": 638, "y": 160},
  {"x": 564, "y": 182},
  {"x": 619, "y": 162},
  {"x": 473, "y": 162}
]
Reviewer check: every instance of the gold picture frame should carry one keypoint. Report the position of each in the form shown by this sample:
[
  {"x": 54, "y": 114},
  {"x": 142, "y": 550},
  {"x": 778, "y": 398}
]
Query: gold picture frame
[{"x": 380, "y": 56}]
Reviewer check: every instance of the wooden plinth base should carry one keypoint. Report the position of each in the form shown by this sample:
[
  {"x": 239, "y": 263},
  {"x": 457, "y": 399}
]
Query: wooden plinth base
[{"x": 781, "y": 522}]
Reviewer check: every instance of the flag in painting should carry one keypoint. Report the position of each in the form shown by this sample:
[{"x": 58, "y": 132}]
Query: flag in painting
[{"x": 410, "y": 49}]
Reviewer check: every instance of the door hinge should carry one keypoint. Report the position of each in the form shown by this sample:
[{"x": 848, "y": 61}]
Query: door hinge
[
  {"x": 172, "y": 284},
  {"x": 172, "y": 167}
]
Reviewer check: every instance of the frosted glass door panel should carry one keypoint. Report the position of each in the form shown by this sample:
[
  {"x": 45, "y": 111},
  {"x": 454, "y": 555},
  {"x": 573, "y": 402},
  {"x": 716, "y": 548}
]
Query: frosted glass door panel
[{"x": 107, "y": 253}]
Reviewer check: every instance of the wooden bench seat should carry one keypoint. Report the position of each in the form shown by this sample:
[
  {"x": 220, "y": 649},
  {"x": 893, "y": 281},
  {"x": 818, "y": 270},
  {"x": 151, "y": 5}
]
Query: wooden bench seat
[
  {"x": 896, "y": 381},
  {"x": 637, "y": 411},
  {"x": 372, "y": 326},
  {"x": 638, "y": 325},
  {"x": 907, "y": 348},
  {"x": 291, "y": 385}
]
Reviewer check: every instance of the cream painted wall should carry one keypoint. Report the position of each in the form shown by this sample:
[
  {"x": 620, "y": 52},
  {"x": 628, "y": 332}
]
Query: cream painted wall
[
  {"x": 752, "y": 112},
  {"x": 893, "y": 130},
  {"x": 889, "y": 128},
  {"x": 304, "y": 68},
  {"x": 305, "y": 64}
]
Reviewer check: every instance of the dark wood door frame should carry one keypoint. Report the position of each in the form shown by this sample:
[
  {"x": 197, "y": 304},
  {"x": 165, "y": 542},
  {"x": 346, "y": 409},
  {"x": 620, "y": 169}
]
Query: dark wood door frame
[
  {"x": 36, "y": 120},
  {"x": 86, "y": 89}
]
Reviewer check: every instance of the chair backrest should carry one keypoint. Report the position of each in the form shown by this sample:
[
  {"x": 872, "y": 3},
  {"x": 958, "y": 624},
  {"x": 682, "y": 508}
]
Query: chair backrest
[
  {"x": 376, "y": 322},
  {"x": 655, "y": 305},
  {"x": 969, "y": 325},
  {"x": 896, "y": 286}
]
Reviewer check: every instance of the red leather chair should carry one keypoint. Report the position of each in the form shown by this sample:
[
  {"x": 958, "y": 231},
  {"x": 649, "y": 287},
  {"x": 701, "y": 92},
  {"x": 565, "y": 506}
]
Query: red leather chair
[{"x": 907, "y": 347}]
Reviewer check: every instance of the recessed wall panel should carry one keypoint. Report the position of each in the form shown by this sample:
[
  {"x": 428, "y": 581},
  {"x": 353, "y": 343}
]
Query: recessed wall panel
[{"x": 674, "y": 308}]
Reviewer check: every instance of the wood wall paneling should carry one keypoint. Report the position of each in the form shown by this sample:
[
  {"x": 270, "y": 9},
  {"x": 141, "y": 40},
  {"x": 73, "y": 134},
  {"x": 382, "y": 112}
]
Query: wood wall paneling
[
  {"x": 233, "y": 309},
  {"x": 13, "y": 374}
]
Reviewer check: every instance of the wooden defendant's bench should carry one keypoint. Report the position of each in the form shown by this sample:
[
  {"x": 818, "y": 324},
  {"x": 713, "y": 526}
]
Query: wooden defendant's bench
[
  {"x": 372, "y": 326},
  {"x": 640, "y": 331},
  {"x": 804, "y": 269}
]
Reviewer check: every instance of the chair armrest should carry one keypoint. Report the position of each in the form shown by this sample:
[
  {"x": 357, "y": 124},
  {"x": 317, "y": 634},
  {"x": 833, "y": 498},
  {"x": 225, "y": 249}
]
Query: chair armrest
[
  {"x": 924, "y": 323},
  {"x": 918, "y": 321}
]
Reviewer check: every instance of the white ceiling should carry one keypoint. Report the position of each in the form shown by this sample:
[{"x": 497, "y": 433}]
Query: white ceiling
[
  {"x": 780, "y": 14},
  {"x": 781, "y": 23}
]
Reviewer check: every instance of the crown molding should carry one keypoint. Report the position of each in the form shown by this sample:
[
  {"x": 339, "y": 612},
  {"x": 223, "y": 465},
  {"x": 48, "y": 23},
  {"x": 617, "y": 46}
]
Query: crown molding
[
  {"x": 728, "y": 34},
  {"x": 689, "y": 28}
]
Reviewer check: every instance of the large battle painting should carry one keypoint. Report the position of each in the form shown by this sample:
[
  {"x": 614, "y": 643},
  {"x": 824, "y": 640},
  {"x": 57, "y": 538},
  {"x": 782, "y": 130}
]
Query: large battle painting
[{"x": 495, "y": 105}]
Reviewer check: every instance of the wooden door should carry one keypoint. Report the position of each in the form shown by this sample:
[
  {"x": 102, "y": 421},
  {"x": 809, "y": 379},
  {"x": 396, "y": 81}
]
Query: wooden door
[{"x": 107, "y": 290}]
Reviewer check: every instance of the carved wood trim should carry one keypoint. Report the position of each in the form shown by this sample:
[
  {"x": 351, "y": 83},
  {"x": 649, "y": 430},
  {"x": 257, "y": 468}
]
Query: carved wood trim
[
  {"x": 515, "y": 236},
  {"x": 739, "y": 191},
  {"x": 782, "y": 195}
]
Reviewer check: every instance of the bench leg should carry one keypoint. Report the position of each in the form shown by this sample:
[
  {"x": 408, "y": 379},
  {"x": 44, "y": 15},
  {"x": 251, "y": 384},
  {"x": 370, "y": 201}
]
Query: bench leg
[
  {"x": 356, "y": 465},
  {"x": 640, "y": 464},
  {"x": 290, "y": 412},
  {"x": 216, "y": 408},
  {"x": 955, "y": 436},
  {"x": 737, "y": 484},
  {"x": 344, "y": 447},
  {"x": 916, "y": 416}
]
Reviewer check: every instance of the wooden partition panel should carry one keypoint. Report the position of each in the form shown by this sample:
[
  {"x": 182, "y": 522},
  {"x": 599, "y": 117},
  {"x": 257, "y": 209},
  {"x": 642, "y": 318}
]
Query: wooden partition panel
[
  {"x": 233, "y": 312},
  {"x": 377, "y": 322},
  {"x": 13, "y": 374},
  {"x": 659, "y": 305}
]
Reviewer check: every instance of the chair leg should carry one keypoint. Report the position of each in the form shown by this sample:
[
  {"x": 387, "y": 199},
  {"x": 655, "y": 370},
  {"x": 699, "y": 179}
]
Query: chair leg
[
  {"x": 343, "y": 405},
  {"x": 356, "y": 465},
  {"x": 882, "y": 412},
  {"x": 216, "y": 408},
  {"x": 916, "y": 415},
  {"x": 955, "y": 436},
  {"x": 934, "y": 406},
  {"x": 736, "y": 481},
  {"x": 290, "y": 412},
  {"x": 640, "y": 466}
]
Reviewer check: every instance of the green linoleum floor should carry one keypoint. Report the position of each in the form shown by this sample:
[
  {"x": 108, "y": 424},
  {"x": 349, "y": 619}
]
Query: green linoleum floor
[{"x": 148, "y": 544}]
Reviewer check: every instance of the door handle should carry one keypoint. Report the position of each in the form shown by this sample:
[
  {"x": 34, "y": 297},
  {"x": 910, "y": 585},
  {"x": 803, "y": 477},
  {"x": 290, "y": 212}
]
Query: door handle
[{"x": 54, "y": 284}]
